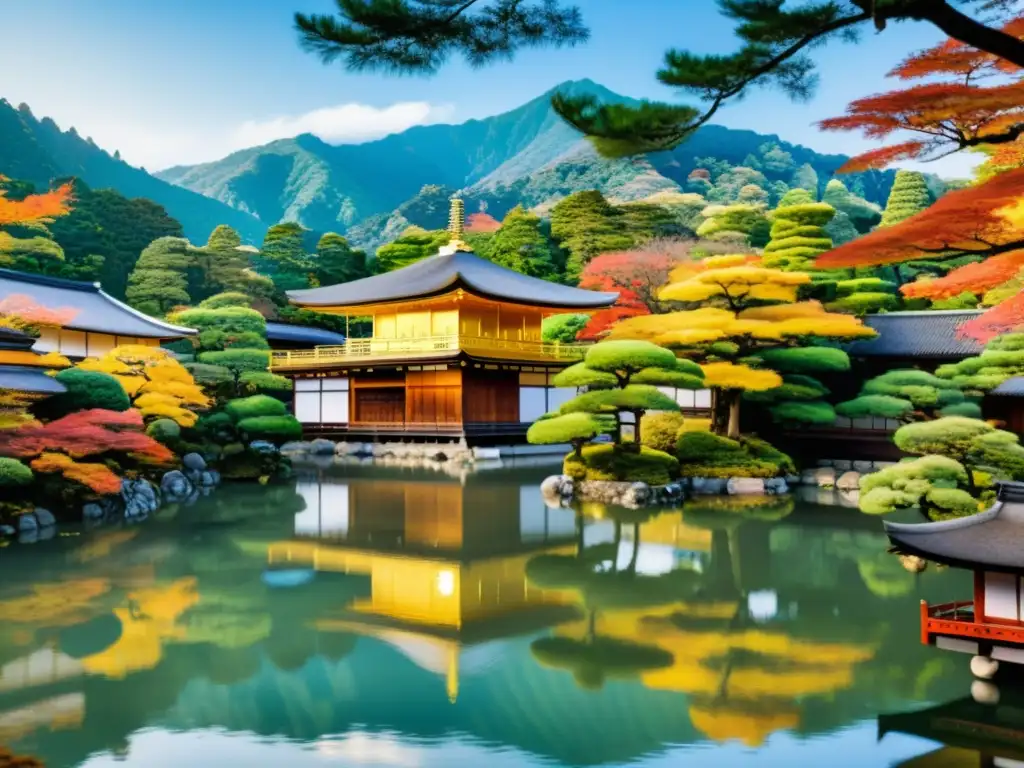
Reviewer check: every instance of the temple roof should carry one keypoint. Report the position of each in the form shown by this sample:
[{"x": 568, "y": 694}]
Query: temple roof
[
  {"x": 929, "y": 334},
  {"x": 24, "y": 378},
  {"x": 303, "y": 334},
  {"x": 989, "y": 539},
  {"x": 445, "y": 272},
  {"x": 95, "y": 311},
  {"x": 1011, "y": 387}
]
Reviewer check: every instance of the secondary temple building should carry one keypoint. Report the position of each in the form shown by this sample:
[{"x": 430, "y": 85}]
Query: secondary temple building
[
  {"x": 455, "y": 350},
  {"x": 92, "y": 322}
]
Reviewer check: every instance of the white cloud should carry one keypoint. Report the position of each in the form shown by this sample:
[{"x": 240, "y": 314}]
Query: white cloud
[
  {"x": 343, "y": 123},
  {"x": 160, "y": 145}
]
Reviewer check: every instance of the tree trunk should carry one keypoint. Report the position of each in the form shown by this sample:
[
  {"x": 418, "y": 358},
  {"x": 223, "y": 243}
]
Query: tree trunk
[
  {"x": 971, "y": 486},
  {"x": 734, "y": 416},
  {"x": 631, "y": 568},
  {"x": 578, "y": 446},
  {"x": 636, "y": 428},
  {"x": 965, "y": 29},
  {"x": 617, "y": 541}
]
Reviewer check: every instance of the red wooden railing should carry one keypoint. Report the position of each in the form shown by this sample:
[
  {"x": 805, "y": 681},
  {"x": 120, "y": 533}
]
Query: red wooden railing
[{"x": 952, "y": 619}]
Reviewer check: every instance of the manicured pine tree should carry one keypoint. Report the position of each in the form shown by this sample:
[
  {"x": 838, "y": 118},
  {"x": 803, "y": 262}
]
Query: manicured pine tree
[
  {"x": 337, "y": 261},
  {"x": 744, "y": 225},
  {"x": 585, "y": 224},
  {"x": 863, "y": 215},
  {"x": 159, "y": 281},
  {"x": 283, "y": 257},
  {"x": 909, "y": 395},
  {"x": 798, "y": 232},
  {"x": 521, "y": 244},
  {"x": 413, "y": 245},
  {"x": 909, "y": 196}
]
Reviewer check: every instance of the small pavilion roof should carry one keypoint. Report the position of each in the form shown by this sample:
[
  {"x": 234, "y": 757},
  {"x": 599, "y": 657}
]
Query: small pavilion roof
[
  {"x": 989, "y": 540},
  {"x": 1010, "y": 388},
  {"x": 95, "y": 311},
  {"x": 303, "y": 334},
  {"x": 931, "y": 334},
  {"x": 24, "y": 378},
  {"x": 445, "y": 272}
]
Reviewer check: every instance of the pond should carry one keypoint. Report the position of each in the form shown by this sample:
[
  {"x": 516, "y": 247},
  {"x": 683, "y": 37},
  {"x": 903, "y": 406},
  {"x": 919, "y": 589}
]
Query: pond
[{"x": 375, "y": 616}]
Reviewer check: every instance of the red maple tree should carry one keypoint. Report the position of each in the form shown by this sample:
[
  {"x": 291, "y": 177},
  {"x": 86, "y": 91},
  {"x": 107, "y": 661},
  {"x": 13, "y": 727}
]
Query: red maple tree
[
  {"x": 977, "y": 220},
  {"x": 978, "y": 100},
  {"x": 34, "y": 209},
  {"x": 642, "y": 273},
  {"x": 482, "y": 222},
  {"x": 629, "y": 304},
  {"x": 1007, "y": 317}
]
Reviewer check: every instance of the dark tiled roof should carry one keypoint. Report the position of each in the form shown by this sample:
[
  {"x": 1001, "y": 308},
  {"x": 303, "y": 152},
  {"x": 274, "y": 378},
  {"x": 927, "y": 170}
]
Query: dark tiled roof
[
  {"x": 301, "y": 334},
  {"x": 1011, "y": 387},
  {"x": 96, "y": 311},
  {"x": 990, "y": 539},
  {"x": 918, "y": 334},
  {"x": 444, "y": 272},
  {"x": 22, "y": 378}
]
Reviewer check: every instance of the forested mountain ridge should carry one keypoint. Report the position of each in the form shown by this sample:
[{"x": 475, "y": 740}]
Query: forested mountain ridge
[
  {"x": 38, "y": 151},
  {"x": 525, "y": 156}
]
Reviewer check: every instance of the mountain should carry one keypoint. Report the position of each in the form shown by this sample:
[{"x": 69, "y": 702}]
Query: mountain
[
  {"x": 38, "y": 151},
  {"x": 527, "y": 156}
]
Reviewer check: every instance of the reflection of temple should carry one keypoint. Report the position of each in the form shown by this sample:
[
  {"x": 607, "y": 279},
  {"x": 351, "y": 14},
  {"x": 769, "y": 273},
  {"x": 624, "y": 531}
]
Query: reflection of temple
[
  {"x": 984, "y": 730},
  {"x": 446, "y": 562}
]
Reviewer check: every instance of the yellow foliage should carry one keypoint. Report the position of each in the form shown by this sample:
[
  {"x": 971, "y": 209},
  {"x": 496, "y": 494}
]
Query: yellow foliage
[
  {"x": 732, "y": 376},
  {"x": 168, "y": 370},
  {"x": 832, "y": 326},
  {"x": 696, "y": 425},
  {"x": 721, "y": 262},
  {"x": 54, "y": 360},
  {"x": 721, "y": 723},
  {"x": 772, "y": 292},
  {"x": 56, "y": 601},
  {"x": 690, "y": 290},
  {"x": 187, "y": 393},
  {"x": 149, "y": 620},
  {"x": 150, "y": 399},
  {"x": 785, "y": 311},
  {"x": 181, "y": 416}
]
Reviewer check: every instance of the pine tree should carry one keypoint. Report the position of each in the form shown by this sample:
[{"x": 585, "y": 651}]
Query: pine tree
[
  {"x": 909, "y": 196},
  {"x": 414, "y": 244},
  {"x": 159, "y": 281},
  {"x": 337, "y": 261},
  {"x": 862, "y": 214},
  {"x": 586, "y": 224},
  {"x": 798, "y": 235},
  {"x": 520, "y": 244},
  {"x": 283, "y": 257}
]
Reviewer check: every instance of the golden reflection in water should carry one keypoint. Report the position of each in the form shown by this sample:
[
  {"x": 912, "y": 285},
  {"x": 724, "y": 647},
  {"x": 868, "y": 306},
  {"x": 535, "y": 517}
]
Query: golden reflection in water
[
  {"x": 56, "y": 603},
  {"x": 148, "y": 620}
]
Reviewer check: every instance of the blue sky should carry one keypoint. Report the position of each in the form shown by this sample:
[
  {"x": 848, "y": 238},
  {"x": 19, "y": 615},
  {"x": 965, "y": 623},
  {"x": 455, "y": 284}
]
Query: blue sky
[{"x": 192, "y": 80}]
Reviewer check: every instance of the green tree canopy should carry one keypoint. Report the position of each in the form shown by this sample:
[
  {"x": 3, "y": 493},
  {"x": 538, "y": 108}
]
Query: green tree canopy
[
  {"x": 909, "y": 195},
  {"x": 585, "y": 224},
  {"x": 283, "y": 257},
  {"x": 159, "y": 281},
  {"x": 798, "y": 235},
  {"x": 337, "y": 261},
  {"x": 521, "y": 245},
  {"x": 414, "y": 244}
]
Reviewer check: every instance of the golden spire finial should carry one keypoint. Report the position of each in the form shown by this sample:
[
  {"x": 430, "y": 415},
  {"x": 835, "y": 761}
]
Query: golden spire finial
[{"x": 457, "y": 219}]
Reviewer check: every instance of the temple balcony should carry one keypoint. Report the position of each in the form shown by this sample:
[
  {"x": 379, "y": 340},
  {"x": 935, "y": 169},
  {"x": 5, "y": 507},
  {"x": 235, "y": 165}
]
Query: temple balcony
[
  {"x": 378, "y": 349},
  {"x": 958, "y": 620}
]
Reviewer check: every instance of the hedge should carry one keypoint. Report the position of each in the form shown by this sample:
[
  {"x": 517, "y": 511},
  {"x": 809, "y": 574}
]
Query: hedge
[
  {"x": 276, "y": 429},
  {"x": 255, "y": 407},
  {"x": 703, "y": 454},
  {"x": 164, "y": 430},
  {"x": 611, "y": 462},
  {"x": 659, "y": 430},
  {"x": 14, "y": 473}
]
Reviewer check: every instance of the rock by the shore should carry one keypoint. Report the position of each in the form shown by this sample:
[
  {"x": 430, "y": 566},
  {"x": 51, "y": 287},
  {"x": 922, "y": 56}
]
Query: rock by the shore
[
  {"x": 776, "y": 486},
  {"x": 263, "y": 447},
  {"x": 743, "y": 486},
  {"x": 93, "y": 511},
  {"x": 557, "y": 490},
  {"x": 7, "y": 531},
  {"x": 44, "y": 517},
  {"x": 176, "y": 486},
  {"x": 295, "y": 447},
  {"x": 194, "y": 462},
  {"x": 708, "y": 486},
  {"x": 848, "y": 481},
  {"x": 322, "y": 447},
  {"x": 27, "y": 523},
  {"x": 139, "y": 497},
  {"x": 863, "y": 466}
]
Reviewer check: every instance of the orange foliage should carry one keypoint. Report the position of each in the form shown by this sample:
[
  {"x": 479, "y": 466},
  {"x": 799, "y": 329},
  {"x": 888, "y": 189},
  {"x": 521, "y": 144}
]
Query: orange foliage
[
  {"x": 974, "y": 278},
  {"x": 97, "y": 477},
  {"x": 974, "y": 220},
  {"x": 627, "y": 305},
  {"x": 1004, "y": 318},
  {"x": 956, "y": 112},
  {"x": 35, "y": 209},
  {"x": 86, "y": 433}
]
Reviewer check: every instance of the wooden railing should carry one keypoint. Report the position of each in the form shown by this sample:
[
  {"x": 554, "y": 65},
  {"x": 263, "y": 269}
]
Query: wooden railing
[
  {"x": 958, "y": 620},
  {"x": 355, "y": 350}
]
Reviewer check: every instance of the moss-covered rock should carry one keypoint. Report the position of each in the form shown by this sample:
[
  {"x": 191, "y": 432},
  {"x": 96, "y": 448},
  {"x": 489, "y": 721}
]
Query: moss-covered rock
[
  {"x": 254, "y": 407},
  {"x": 164, "y": 430},
  {"x": 704, "y": 454}
]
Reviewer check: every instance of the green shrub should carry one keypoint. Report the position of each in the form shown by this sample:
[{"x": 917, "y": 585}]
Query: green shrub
[
  {"x": 226, "y": 299},
  {"x": 562, "y": 328},
  {"x": 884, "y": 406},
  {"x": 264, "y": 381},
  {"x": 816, "y": 413},
  {"x": 164, "y": 430},
  {"x": 85, "y": 390},
  {"x": 704, "y": 454},
  {"x": 865, "y": 303},
  {"x": 276, "y": 429},
  {"x": 865, "y": 285},
  {"x": 612, "y": 356},
  {"x": 610, "y": 462},
  {"x": 231, "y": 319},
  {"x": 806, "y": 359},
  {"x": 658, "y": 430},
  {"x": 969, "y": 410},
  {"x": 238, "y": 361},
  {"x": 13, "y": 473},
  {"x": 215, "y": 339},
  {"x": 255, "y": 407}
]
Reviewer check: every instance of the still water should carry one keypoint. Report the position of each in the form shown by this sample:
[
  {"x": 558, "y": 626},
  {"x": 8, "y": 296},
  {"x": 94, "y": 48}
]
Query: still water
[{"x": 380, "y": 617}]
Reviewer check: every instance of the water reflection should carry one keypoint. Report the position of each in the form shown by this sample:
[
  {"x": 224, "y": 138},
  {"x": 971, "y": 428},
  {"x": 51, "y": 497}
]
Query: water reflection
[{"x": 408, "y": 618}]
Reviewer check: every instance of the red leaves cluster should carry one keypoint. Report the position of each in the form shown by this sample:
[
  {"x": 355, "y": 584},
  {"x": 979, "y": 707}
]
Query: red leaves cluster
[
  {"x": 973, "y": 278},
  {"x": 86, "y": 433},
  {"x": 954, "y": 113},
  {"x": 699, "y": 173},
  {"x": 1007, "y": 317},
  {"x": 641, "y": 273},
  {"x": 628, "y": 304},
  {"x": 967, "y": 220},
  {"x": 482, "y": 222}
]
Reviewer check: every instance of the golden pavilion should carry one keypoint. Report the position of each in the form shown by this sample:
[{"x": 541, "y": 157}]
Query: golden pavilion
[{"x": 455, "y": 349}]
